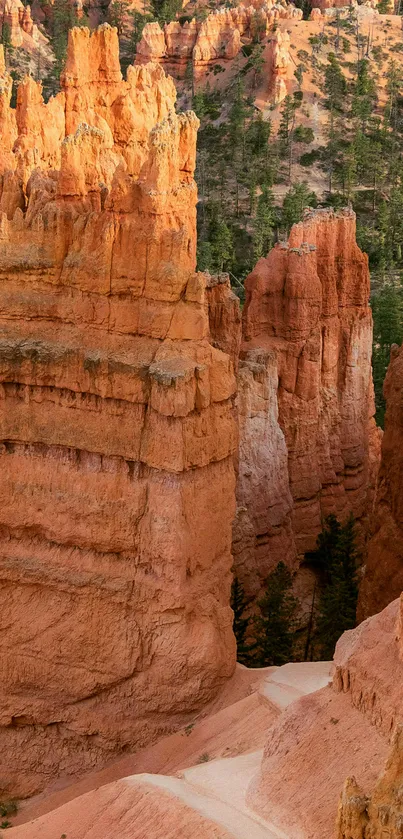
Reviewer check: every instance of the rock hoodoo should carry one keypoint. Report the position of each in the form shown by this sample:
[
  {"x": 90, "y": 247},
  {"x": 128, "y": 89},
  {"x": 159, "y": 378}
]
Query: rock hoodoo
[
  {"x": 218, "y": 37},
  {"x": 305, "y": 393},
  {"x": 383, "y": 579},
  {"x": 116, "y": 424},
  {"x": 381, "y": 813},
  {"x": 23, "y": 32},
  {"x": 280, "y": 61}
]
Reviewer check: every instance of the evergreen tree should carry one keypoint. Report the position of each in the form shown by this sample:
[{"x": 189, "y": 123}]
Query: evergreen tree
[
  {"x": 6, "y": 41},
  {"x": 256, "y": 62},
  {"x": 165, "y": 10},
  {"x": 263, "y": 225},
  {"x": 364, "y": 97},
  {"x": 335, "y": 88},
  {"x": 387, "y": 309},
  {"x": 220, "y": 239},
  {"x": 295, "y": 201},
  {"x": 239, "y": 606},
  {"x": 64, "y": 17},
  {"x": 337, "y": 557},
  {"x": 274, "y": 628},
  {"x": 118, "y": 16}
]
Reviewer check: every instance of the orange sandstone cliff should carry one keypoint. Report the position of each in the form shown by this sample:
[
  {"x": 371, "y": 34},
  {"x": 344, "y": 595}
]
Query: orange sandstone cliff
[
  {"x": 383, "y": 578},
  {"x": 116, "y": 424},
  {"x": 305, "y": 394}
]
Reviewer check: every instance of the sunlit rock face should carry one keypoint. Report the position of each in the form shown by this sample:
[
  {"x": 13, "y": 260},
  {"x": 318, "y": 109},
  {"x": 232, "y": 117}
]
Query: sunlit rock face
[
  {"x": 117, "y": 427},
  {"x": 218, "y": 37},
  {"x": 308, "y": 442}
]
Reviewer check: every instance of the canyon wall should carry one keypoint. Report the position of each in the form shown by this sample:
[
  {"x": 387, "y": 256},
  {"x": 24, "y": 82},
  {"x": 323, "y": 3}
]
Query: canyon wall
[
  {"x": 218, "y": 37},
  {"x": 308, "y": 441},
  {"x": 116, "y": 424},
  {"x": 383, "y": 578}
]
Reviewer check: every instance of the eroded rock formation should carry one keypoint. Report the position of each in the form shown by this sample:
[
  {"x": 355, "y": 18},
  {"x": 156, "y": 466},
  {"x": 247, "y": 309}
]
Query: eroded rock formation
[
  {"x": 22, "y": 31},
  {"x": 343, "y": 730},
  {"x": 280, "y": 61},
  {"x": 218, "y": 37},
  {"x": 116, "y": 424},
  {"x": 305, "y": 394},
  {"x": 379, "y": 815},
  {"x": 383, "y": 578}
]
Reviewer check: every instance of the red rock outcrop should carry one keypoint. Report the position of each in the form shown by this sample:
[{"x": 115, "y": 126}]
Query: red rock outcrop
[
  {"x": 116, "y": 425},
  {"x": 379, "y": 815},
  {"x": 218, "y": 37},
  {"x": 383, "y": 577},
  {"x": 280, "y": 61},
  {"x": 339, "y": 731},
  {"x": 22, "y": 30},
  {"x": 307, "y": 340}
]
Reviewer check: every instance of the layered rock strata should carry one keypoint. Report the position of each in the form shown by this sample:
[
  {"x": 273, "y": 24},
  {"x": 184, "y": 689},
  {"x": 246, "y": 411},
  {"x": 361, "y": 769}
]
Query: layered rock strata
[
  {"x": 383, "y": 578},
  {"x": 218, "y": 37},
  {"x": 116, "y": 424},
  {"x": 305, "y": 394}
]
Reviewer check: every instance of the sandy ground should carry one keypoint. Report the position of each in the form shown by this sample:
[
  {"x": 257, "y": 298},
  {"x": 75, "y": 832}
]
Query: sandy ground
[
  {"x": 235, "y": 721},
  {"x": 198, "y": 776}
]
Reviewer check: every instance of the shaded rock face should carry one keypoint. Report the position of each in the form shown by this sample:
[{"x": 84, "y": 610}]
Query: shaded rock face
[
  {"x": 379, "y": 815},
  {"x": 352, "y": 727},
  {"x": 218, "y": 37},
  {"x": 305, "y": 393},
  {"x": 383, "y": 579},
  {"x": 116, "y": 425}
]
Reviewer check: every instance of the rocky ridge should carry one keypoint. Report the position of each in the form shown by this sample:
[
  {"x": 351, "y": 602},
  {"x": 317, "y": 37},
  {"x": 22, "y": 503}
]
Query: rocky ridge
[{"x": 218, "y": 37}]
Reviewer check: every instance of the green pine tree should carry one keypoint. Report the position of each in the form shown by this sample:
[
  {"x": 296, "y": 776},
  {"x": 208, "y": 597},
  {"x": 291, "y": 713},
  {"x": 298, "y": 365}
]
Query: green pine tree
[
  {"x": 295, "y": 201},
  {"x": 337, "y": 557},
  {"x": 387, "y": 310},
  {"x": 274, "y": 628},
  {"x": 263, "y": 224},
  {"x": 239, "y": 606}
]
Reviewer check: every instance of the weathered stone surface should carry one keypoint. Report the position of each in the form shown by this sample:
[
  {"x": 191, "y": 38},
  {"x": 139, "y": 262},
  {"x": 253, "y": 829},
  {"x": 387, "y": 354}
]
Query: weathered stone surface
[
  {"x": 224, "y": 314},
  {"x": 218, "y": 37},
  {"x": 307, "y": 311},
  {"x": 116, "y": 425},
  {"x": 383, "y": 578},
  {"x": 263, "y": 526},
  {"x": 23, "y": 32},
  {"x": 280, "y": 61},
  {"x": 380, "y": 815},
  {"x": 342, "y": 730}
]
